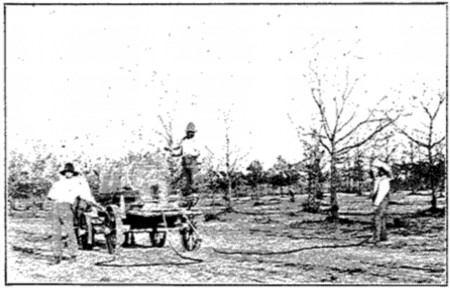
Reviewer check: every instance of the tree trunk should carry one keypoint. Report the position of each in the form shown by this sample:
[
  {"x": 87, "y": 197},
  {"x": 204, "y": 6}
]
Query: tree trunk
[
  {"x": 359, "y": 188},
  {"x": 214, "y": 201},
  {"x": 413, "y": 187},
  {"x": 229, "y": 191},
  {"x": 431, "y": 179},
  {"x": 334, "y": 209}
]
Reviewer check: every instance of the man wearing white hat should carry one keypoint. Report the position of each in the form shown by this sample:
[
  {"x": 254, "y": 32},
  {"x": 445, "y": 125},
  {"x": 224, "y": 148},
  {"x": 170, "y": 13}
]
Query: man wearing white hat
[{"x": 380, "y": 197}]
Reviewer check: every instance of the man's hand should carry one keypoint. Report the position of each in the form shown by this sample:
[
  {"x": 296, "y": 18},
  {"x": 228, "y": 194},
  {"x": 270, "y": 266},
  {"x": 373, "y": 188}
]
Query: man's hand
[{"x": 168, "y": 149}]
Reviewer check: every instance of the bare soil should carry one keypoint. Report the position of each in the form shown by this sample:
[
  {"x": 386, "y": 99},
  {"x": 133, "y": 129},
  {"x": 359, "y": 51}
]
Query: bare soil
[{"x": 416, "y": 252}]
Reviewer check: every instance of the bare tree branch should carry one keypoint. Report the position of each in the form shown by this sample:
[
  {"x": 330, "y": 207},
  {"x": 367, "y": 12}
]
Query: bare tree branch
[
  {"x": 421, "y": 144},
  {"x": 360, "y": 143},
  {"x": 324, "y": 145},
  {"x": 359, "y": 125},
  {"x": 322, "y": 115},
  {"x": 319, "y": 102},
  {"x": 437, "y": 142},
  {"x": 347, "y": 122},
  {"x": 441, "y": 101}
]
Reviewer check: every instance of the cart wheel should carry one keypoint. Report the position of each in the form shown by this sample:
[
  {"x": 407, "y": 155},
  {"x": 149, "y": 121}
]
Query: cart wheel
[
  {"x": 158, "y": 239},
  {"x": 189, "y": 238},
  {"x": 114, "y": 236}
]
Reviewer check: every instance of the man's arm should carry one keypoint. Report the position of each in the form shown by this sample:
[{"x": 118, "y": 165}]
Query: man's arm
[
  {"x": 178, "y": 148},
  {"x": 180, "y": 153},
  {"x": 86, "y": 193},
  {"x": 52, "y": 194}
]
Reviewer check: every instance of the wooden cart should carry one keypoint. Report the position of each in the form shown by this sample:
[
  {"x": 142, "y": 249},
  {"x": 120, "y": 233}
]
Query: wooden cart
[{"x": 125, "y": 215}]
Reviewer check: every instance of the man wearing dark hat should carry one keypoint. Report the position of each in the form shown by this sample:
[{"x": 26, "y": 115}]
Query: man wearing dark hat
[
  {"x": 189, "y": 152},
  {"x": 64, "y": 193},
  {"x": 380, "y": 198}
]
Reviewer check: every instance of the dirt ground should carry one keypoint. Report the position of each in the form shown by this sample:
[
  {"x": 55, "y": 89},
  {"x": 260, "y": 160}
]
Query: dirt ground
[{"x": 416, "y": 252}]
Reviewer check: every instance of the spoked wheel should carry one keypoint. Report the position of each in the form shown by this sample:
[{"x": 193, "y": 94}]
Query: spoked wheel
[
  {"x": 158, "y": 239},
  {"x": 113, "y": 234},
  {"x": 189, "y": 238}
]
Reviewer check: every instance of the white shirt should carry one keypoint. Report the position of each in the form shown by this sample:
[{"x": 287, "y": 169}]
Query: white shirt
[
  {"x": 190, "y": 147},
  {"x": 66, "y": 190},
  {"x": 381, "y": 188}
]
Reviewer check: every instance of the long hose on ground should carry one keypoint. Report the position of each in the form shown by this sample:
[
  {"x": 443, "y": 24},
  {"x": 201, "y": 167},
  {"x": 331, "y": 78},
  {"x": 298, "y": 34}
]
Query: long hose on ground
[
  {"x": 265, "y": 253},
  {"x": 107, "y": 263},
  {"x": 221, "y": 251}
]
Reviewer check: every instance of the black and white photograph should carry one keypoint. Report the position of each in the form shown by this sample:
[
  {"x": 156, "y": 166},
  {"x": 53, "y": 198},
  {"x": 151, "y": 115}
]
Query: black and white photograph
[{"x": 225, "y": 143}]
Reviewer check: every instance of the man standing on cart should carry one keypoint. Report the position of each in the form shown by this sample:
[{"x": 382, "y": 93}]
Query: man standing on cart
[{"x": 189, "y": 152}]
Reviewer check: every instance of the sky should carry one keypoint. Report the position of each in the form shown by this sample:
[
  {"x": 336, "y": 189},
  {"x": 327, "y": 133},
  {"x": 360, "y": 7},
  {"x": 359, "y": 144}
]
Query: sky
[{"x": 95, "y": 78}]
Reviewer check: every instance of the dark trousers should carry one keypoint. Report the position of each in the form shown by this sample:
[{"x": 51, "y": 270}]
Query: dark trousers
[
  {"x": 380, "y": 232},
  {"x": 189, "y": 165},
  {"x": 63, "y": 218}
]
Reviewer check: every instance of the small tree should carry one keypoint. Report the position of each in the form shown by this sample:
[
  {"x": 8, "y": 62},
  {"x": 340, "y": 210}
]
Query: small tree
[
  {"x": 231, "y": 160},
  {"x": 312, "y": 165},
  {"x": 166, "y": 132},
  {"x": 356, "y": 172},
  {"x": 255, "y": 176},
  {"x": 283, "y": 174}
]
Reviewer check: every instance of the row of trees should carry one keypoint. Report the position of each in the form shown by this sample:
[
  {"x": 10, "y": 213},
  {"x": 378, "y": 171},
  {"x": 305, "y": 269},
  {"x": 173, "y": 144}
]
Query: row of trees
[
  {"x": 335, "y": 158},
  {"x": 309, "y": 176},
  {"x": 338, "y": 149}
]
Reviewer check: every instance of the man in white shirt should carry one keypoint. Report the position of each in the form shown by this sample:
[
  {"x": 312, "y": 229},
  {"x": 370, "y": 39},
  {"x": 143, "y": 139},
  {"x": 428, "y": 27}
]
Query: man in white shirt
[
  {"x": 188, "y": 150},
  {"x": 380, "y": 197},
  {"x": 64, "y": 193}
]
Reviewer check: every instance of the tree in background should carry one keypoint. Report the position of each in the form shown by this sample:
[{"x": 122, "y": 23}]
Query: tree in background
[
  {"x": 279, "y": 175},
  {"x": 344, "y": 127},
  {"x": 426, "y": 136},
  {"x": 441, "y": 168},
  {"x": 312, "y": 165},
  {"x": 409, "y": 168},
  {"x": 31, "y": 176},
  {"x": 167, "y": 134},
  {"x": 283, "y": 174},
  {"x": 354, "y": 172},
  {"x": 231, "y": 160},
  {"x": 255, "y": 176}
]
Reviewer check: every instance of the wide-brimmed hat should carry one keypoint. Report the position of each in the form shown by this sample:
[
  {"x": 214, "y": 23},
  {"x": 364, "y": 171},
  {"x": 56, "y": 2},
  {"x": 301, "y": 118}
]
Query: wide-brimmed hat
[
  {"x": 383, "y": 166},
  {"x": 69, "y": 168},
  {"x": 191, "y": 127}
]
